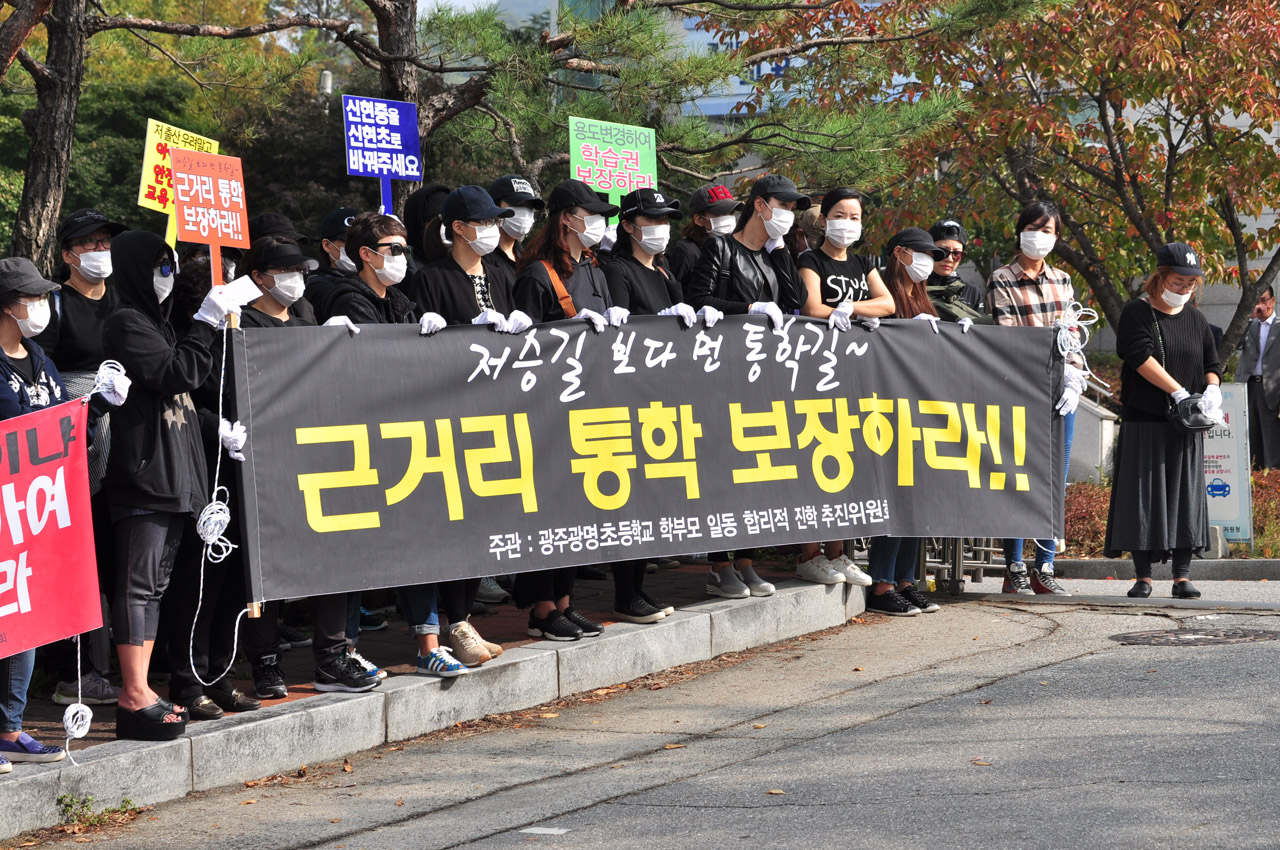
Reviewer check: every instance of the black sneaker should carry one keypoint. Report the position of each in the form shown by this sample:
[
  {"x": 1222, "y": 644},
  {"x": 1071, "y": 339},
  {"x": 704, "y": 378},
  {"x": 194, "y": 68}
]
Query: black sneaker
[
  {"x": 1185, "y": 590},
  {"x": 637, "y": 611},
  {"x": 554, "y": 627},
  {"x": 342, "y": 673},
  {"x": 291, "y": 638},
  {"x": 891, "y": 602},
  {"x": 912, "y": 594},
  {"x": 371, "y": 622},
  {"x": 590, "y": 628},
  {"x": 268, "y": 681},
  {"x": 661, "y": 606}
]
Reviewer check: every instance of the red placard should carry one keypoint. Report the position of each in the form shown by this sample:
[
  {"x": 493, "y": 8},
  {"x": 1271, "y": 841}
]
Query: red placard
[
  {"x": 48, "y": 567},
  {"x": 209, "y": 192}
]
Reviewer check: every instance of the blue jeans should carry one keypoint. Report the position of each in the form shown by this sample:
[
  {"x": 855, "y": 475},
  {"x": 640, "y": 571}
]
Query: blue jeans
[
  {"x": 15, "y": 673},
  {"x": 1045, "y": 549},
  {"x": 892, "y": 560},
  {"x": 419, "y": 604}
]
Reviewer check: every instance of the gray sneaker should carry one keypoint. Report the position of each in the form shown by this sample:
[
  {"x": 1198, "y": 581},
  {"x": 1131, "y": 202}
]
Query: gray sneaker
[
  {"x": 94, "y": 690},
  {"x": 1016, "y": 580},
  {"x": 490, "y": 592},
  {"x": 726, "y": 584}
]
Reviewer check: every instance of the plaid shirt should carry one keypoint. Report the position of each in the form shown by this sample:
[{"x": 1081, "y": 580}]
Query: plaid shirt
[{"x": 1018, "y": 300}]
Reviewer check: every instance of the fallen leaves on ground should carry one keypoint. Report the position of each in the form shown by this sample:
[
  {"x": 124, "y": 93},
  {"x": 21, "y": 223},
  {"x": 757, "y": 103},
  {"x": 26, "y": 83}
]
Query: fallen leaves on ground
[
  {"x": 775, "y": 791},
  {"x": 346, "y": 765},
  {"x": 980, "y": 762},
  {"x": 673, "y": 746}
]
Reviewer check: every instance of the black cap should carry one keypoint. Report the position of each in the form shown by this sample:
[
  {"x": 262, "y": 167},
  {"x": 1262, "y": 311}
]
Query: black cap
[
  {"x": 917, "y": 240},
  {"x": 575, "y": 193},
  {"x": 284, "y": 256},
  {"x": 83, "y": 222},
  {"x": 18, "y": 277},
  {"x": 516, "y": 191},
  {"x": 714, "y": 200},
  {"x": 777, "y": 186},
  {"x": 649, "y": 202},
  {"x": 1180, "y": 257},
  {"x": 471, "y": 203},
  {"x": 274, "y": 224},
  {"x": 835, "y": 196},
  {"x": 949, "y": 228},
  {"x": 334, "y": 225}
]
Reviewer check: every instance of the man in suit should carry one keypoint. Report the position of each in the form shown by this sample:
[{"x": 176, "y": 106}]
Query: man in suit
[{"x": 1260, "y": 366}]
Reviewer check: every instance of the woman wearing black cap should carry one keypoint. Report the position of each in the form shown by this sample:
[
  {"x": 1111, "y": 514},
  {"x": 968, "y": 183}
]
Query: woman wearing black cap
[
  {"x": 712, "y": 212},
  {"x": 515, "y": 193},
  {"x": 949, "y": 235},
  {"x": 736, "y": 276},
  {"x": 1158, "y": 502}
]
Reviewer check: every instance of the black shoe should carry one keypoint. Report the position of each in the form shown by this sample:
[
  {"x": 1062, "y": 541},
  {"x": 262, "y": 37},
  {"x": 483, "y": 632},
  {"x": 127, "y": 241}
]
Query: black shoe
[
  {"x": 555, "y": 627},
  {"x": 1140, "y": 590},
  {"x": 912, "y": 594},
  {"x": 590, "y": 573},
  {"x": 371, "y": 622},
  {"x": 268, "y": 681},
  {"x": 891, "y": 602},
  {"x": 590, "y": 628},
  {"x": 342, "y": 673},
  {"x": 203, "y": 708},
  {"x": 637, "y": 611},
  {"x": 233, "y": 699},
  {"x": 668, "y": 610},
  {"x": 291, "y": 638},
  {"x": 1185, "y": 590}
]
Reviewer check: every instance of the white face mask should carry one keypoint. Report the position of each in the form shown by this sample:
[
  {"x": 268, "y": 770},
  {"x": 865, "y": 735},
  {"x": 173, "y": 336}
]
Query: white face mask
[
  {"x": 920, "y": 267},
  {"x": 289, "y": 287},
  {"x": 654, "y": 238},
  {"x": 722, "y": 225},
  {"x": 342, "y": 261},
  {"x": 393, "y": 269},
  {"x": 1175, "y": 299},
  {"x": 163, "y": 284},
  {"x": 779, "y": 224},
  {"x": 593, "y": 227},
  {"x": 519, "y": 225},
  {"x": 1036, "y": 244},
  {"x": 486, "y": 240},
  {"x": 843, "y": 232},
  {"x": 37, "y": 318},
  {"x": 96, "y": 265}
]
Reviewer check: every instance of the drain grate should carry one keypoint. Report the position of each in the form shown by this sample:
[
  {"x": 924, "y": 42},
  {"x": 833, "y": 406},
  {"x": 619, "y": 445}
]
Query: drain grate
[{"x": 1194, "y": 637}]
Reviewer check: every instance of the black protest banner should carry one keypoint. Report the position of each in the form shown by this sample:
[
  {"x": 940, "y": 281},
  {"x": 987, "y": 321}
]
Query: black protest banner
[{"x": 387, "y": 458}]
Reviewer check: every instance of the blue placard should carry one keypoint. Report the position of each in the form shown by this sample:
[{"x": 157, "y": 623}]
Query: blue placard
[{"x": 381, "y": 138}]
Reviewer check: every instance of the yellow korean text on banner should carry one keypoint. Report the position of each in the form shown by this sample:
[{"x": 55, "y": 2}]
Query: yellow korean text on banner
[{"x": 155, "y": 191}]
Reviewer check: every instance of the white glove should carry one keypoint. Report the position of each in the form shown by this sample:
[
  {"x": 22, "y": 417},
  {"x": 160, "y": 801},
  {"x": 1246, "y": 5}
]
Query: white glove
[
  {"x": 1211, "y": 398},
  {"x": 518, "y": 322},
  {"x": 1069, "y": 401},
  {"x": 430, "y": 323},
  {"x": 965, "y": 323},
  {"x": 868, "y": 322},
  {"x": 933, "y": 320},
  {"x": 1077, "y": 380},
  {"x": 710, "y": 315},
  {"x": 840, "y": 317},
  {"x": 490, "y": 317},
  {"x": 341, "y": 322},
  {"x": 112, "y": 383},
  {"x": 233, "y": 437},
  {"x": 767, "y": 308},
  {"x": 684, "y": 311},
  {"x": 597, "y": 321},
  {"x": 617, "y": 316},
  {"x": 1179, "y": 394},
  {"x": 215, "y": 308}
]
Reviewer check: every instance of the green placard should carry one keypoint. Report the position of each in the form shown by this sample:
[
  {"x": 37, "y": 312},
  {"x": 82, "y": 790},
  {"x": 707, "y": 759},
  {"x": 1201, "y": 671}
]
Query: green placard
[{"x": 612, "y": 158}]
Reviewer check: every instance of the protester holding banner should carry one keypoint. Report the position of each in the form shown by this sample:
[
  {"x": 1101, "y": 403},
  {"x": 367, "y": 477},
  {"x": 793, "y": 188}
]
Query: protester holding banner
[
  {"x": 1030, "y": 293},
  {"x": 950, "y": 235},
  {"x": 1158, "y": 502},
  {"x": 712, "y": 212},
  {"x": 515, "y": 193},
  {"x": 376, "y": 245}
]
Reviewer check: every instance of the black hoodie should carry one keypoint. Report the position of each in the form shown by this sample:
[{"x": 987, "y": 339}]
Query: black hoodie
[
  {"x": 335, "y": 293},
  {"x": 157, "y": 462}
]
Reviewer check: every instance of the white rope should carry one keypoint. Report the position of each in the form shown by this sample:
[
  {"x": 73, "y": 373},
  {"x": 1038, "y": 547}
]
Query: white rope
[
  {"x": 1073, "y": 325},
  {"x": 78, "y": 716},
  {"x": 106, "y": 375}
]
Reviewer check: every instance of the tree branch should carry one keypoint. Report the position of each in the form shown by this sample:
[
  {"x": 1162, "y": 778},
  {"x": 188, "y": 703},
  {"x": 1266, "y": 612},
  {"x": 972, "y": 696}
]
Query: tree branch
[
  {"x": 96, "y": 24},
  {"x": 37, "y": 69},
  {"x": 833, "y": 41},
  {"x": 16, "y": 28},
  {"x": 513, "y": 137},
  {"x": 441, "y": 108}
]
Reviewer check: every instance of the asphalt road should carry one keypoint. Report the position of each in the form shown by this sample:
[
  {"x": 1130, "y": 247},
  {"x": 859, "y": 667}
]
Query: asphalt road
[{"x": 989, "y": 724}]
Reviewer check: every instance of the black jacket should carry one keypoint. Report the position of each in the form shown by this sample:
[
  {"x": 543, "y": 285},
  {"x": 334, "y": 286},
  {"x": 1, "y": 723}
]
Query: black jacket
[
  {"x": 536, "y": 296},
  {"x": 728, "y": 276},
  {"x": 348, "y": 295},
  {"x": 681, "y": 257},
  {"x": 643, "y": 291},
  {"x": 157, "y": 462},
  {"x": 441, "y": 286}
]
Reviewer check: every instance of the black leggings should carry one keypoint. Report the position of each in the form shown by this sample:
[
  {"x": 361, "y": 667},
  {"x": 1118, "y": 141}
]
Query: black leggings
[
  {"x": 1181, "y": 563},
  {"x": 456, "y": 597},
  {"x": 628, "y": 581},
  {"x": 544, "y": 586}
]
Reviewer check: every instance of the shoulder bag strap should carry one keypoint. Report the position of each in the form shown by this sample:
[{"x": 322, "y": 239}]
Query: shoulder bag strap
[{"x": 562, "y": 294}]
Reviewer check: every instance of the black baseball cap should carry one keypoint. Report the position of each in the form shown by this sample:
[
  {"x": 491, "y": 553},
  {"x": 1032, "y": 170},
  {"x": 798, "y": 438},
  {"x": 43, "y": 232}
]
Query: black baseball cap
[
  {"x": 1180, "y": 257},
  {"x": 471, "y": 203},
  {"x": 274, "y": 224},
  {"x": 83, "y": 222},
  {"x": 649, "y": 202},
  {"x": 714, "y": 200},
  {"x": 949, "y": 228},
  {"x": 335, "y": 224},
  {"x": 917, "y": 240},
  {"x": 782, "y": 188},
  {"x": 284, "y": 256},
  {"x": 574, "y": 193},
  {"x": 516, "y": 191},
  {"x": 19, "y": 276}
]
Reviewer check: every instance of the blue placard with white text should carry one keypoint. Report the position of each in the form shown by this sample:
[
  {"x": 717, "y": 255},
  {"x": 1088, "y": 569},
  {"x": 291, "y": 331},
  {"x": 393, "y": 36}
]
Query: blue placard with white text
[{"x": 381, "y": 138}]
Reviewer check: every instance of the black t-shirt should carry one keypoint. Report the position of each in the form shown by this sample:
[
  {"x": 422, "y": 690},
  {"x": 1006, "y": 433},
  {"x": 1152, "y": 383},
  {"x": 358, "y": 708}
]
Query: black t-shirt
[
  {"x": 839, "y": 281},
  {"x": 643, "y": 291},
  {"x": 681, "y": 257},
  {"x": 535, "y": 295},
  {"x": 25, "y": 366},
  {"x": 73, "y": 340}
]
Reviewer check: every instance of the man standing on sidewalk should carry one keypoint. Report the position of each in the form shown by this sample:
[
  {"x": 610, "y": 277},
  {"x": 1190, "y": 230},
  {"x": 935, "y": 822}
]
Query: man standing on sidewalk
[{"x": 1260, "y": 366}]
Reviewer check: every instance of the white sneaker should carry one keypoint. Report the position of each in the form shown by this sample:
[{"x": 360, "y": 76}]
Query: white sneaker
[
  {"x": 852, "y": 573},
  {"x": 727, "y": 584},
  {"x": 819, "y": 570},
  {"x": 757, "y": 585},
  {"x": 368, "y": 666}
]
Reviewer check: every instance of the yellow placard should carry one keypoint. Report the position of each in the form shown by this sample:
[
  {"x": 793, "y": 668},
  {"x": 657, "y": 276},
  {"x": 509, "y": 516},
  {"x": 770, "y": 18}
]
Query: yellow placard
[{"x": 155, "y": 191}]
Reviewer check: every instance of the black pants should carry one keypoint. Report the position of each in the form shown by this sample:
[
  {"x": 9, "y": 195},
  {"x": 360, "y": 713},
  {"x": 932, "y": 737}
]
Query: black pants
[
  {"x": 261, "y": 636},
  {"x": 723, "y": 557},
  {"x": 628, "y": 581},
  {"x": 61, "y": 655},
  {"x": 1181, "y": 563},
  {"x": 456, "y": 597},
  {"x": 211, "y": 646},
  {"x": 146, "y": 549},
  {"x": 544, "y": 585},
  {"x": 1264, "y": 429}
]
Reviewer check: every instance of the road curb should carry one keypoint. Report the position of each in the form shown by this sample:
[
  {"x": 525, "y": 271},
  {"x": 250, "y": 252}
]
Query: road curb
[{"x": 1226, "y": 569}]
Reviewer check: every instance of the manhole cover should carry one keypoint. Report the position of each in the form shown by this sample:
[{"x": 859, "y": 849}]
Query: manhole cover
[{"x": 1194, "y": 637}]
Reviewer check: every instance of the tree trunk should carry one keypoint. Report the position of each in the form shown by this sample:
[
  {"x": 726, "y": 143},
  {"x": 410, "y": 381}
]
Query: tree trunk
[
  {"x": 52, "y": 131},
  {"x": 398, "y": 36}
]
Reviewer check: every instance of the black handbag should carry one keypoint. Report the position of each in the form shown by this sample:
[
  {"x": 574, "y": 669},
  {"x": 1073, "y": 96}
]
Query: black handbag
[{"x": 1186, "y": 416}]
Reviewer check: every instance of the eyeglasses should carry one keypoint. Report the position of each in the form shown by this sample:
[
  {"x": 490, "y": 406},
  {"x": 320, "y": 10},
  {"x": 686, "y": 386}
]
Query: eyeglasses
[
  {"x": 395, "y": 248},
  {"x": 488, "y": 222},
  {"x": 1180, "y": 287},
  {"x": 955, "y": 253},
  {"x": 101, "y": 244}
]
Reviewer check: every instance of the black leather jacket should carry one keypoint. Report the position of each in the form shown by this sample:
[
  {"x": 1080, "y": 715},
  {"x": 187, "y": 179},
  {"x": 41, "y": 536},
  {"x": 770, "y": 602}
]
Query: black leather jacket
[{"x": 728, "y": 276}]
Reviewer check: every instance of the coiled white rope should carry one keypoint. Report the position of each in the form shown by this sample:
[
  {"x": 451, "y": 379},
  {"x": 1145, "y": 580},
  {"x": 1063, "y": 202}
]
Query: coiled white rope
[
  {"x": 1073, "y": 325},
  {"x": 106, "y": 375},
  {"x": 78, "y": 716}
]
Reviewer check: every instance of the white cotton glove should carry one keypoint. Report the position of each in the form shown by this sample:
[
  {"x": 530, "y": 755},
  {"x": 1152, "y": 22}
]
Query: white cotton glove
[
  {"x": 1211, "y": 398},
  {"x": 710, "y": 315},
  {"x": 430, "y": 323},
  {"x": 617, "y": 316},
  {"x": 490, "y": 317},
  {"x": 518, "y": 322},
  {"x": 112, "y": 384},
  {"x": 684, "y": 311},
  {"x": 215, "y": 308},
  {"x": 965, "y": 323},
  {"x": 1068, "y": 402},
  {"x": 1077, "y": 380},
  {"x": 841, "y": 317},
  {"x": 597, "y": 321},
  {"x": 233, "y": 437},
  {"x": 868, "y": 322},
  {"x": 933, "y": 320},
  {"x": 1179, "y": 394},
  {"x": 342, "y": 322},
  {"x": 767, "y": 308}
]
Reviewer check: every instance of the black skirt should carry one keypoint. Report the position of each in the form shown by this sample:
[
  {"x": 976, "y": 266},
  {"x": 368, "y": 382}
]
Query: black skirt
[{"x": 1158, "y": 500}]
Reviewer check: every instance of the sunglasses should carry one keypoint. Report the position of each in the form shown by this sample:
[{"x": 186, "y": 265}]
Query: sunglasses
[
  {"x": 955, "y": 254},
  {"x": 394, "y": 249}
]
